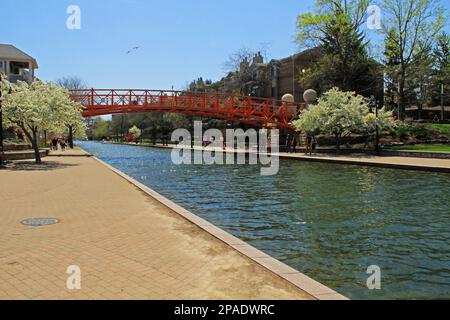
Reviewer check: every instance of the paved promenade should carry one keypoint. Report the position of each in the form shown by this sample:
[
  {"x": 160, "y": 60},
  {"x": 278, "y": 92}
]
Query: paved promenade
[
  {"x": 127, "y": 244},
  {"x": 407, "y": 163}
]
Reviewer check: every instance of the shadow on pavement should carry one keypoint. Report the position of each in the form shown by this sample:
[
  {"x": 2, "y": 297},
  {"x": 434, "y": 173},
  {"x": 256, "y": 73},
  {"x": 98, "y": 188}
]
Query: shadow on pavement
[{"x": 32, "y": 166}]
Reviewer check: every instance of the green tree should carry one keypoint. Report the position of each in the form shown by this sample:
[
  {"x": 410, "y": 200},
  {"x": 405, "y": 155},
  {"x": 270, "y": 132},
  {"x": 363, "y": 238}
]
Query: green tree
[
  {"x": 391, "y": 62},
  {"x": 102, "y": 129},
  {"x": 410, "y": 28},
  {"x": 441, "y": 79},
  {"x": 335, "y": 27}
]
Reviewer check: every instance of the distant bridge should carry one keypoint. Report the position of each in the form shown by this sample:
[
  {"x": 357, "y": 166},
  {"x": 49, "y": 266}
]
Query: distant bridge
[{"x": 258, "y": 112}]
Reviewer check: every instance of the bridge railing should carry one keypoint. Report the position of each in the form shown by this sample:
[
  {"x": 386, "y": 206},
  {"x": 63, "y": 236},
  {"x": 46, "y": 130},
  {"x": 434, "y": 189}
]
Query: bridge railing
[{"x": 105, "y": 101}]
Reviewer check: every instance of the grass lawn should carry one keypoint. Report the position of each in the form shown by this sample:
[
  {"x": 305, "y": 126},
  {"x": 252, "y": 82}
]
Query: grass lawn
[
  {"x": 442, "y": 128},
  {"x": 433, "y": 148}
]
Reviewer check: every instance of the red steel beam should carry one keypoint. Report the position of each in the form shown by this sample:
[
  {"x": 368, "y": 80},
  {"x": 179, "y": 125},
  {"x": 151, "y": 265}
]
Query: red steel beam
[{"x": 260, "y": 112}]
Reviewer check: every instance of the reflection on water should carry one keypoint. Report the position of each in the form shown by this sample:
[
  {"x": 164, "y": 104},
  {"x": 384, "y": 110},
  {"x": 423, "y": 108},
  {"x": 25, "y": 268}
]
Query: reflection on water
[{"x": 328, "y": 221}]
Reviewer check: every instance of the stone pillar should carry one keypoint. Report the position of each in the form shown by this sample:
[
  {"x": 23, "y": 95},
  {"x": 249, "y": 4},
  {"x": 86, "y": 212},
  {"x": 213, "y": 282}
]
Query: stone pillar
[{"x": 30, "y": 72}]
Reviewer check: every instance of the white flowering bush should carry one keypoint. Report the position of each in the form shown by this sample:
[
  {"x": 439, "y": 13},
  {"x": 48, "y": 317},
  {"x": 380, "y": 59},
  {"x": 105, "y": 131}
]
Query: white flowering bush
[
  {"x": 340, "y": 113},
  {"x": 5, "y": 87},
  {"x": 40, "y": 106},
  {"x": 384, "y": 121},
  {"x": 136, "y": 132}
]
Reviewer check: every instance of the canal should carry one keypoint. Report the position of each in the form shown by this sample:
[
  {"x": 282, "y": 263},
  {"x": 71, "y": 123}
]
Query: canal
[{"x": 328, "y": 221}]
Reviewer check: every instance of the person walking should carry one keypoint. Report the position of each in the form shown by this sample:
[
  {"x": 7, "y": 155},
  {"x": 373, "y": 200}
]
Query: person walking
[
  {"x": 313, "y": 144},
  {"x": 55, "y": 144},
  {"x": 294, "y": 144},
  {"x": 63, "y": 144},
  {"x": 309, "y": 142}
]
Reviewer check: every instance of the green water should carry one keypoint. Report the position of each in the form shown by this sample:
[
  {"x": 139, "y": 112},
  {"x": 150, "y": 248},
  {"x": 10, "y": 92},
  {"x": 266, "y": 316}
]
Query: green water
[{"x": 329, "y": 221}]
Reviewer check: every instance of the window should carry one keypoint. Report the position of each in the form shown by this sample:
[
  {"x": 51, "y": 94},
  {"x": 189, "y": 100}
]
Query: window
[
  {"x": 1, "y": 65},
  {"x": 274, "y": 72}
]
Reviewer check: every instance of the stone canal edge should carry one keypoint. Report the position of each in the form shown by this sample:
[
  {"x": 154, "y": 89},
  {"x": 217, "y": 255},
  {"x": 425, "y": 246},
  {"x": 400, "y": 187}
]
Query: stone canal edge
[{"x": 294, "y": 277}]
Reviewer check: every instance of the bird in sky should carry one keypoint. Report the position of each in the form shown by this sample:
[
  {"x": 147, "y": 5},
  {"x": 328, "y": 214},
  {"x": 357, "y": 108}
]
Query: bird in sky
[{"x": 133, "y": 49}]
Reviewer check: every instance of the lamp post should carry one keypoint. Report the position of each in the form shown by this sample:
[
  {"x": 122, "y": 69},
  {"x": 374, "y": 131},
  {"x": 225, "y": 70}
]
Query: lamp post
[
  {"x": 377, "y": 134},
  {"x": 442, "y": 102}
]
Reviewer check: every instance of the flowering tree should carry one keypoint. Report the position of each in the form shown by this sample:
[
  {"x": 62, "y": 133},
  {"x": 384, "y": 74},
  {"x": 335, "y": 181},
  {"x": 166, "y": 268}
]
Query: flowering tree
[
  {"x": 39, "y": 106},
  {"x": 340, "y": 113},
  {"x": 73, "y": 122},
  {"x": 71, "y": 83},
  {"x": 135, "y": 131},
  {"x": 4, "y": 88}
]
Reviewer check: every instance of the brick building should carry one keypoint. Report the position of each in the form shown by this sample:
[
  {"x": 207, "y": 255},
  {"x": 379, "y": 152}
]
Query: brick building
[{"x": 269, "y": 80}]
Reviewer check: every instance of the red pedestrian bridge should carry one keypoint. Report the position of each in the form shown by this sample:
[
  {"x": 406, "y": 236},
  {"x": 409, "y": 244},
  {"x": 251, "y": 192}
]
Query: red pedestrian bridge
[{"x": 259, "y": 112}]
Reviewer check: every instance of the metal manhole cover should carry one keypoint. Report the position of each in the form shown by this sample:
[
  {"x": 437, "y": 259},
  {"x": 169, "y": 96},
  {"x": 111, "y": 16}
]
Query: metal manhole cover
[{"x": 39, "y": 222}]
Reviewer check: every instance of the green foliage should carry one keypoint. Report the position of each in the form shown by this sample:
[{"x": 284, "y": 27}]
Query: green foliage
[
  {"x": 410, "y": 29},
  {"x": 102, "y": 129},
  {"x": 335, "y": 27},
  {"x": 441, "y": 128},
  {"x": 151, "y": 124},
  {"x": 420, "y": 132},
  {"x": 426, "y": 148},
  {"x": 441, "y": 57},
  {"x": 317, "y": 28}
]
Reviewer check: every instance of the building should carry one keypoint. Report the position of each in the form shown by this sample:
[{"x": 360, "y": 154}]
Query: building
[
  {"x": 16, "y": 64},
  {"x": 285, "y": 74},
  {"x": 269, "y": 80}
]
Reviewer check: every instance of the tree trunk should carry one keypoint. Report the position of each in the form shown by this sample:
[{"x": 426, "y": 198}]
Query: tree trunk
[
  {"x": 37, "y": 154},
  {"x": 401, "y": 97},
  {"x": 338, "y": 143},
  {"x": 34, "y": 144},
  {"x": 71, "y": 137}
]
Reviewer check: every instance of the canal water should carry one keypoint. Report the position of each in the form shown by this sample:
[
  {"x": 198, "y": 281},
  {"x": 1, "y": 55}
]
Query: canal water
[{"x": 328, "y": 221}]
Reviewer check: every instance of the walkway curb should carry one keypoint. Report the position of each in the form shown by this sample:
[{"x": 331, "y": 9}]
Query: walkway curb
[
  {"x": 296, "y": 278},
  {"x": 329, "y": 159},
  {"x": 367, "y": 163}
]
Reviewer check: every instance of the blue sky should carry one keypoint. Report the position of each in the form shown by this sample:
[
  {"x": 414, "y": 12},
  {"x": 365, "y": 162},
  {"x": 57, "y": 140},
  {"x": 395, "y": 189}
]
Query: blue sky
[{"x": 180, "y": 40}]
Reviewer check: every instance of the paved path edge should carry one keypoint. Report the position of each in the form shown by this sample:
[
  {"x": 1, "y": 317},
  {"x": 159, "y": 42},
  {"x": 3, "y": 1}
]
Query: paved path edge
[
  {"x": 296, "y": 278},
  {"x": 328, "y": 159}
]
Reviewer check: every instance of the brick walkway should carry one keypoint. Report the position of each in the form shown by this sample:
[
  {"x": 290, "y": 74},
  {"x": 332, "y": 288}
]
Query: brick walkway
[{"x": 128, "y": 245}]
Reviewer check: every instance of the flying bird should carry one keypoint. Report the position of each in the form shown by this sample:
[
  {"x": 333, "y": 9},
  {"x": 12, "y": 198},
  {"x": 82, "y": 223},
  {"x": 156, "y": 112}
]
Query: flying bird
[{"x": 133, "y": 49}]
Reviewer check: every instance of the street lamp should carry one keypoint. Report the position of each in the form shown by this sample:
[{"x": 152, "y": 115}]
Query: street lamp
[
  {"x": 377, "y": 134},
  {"x": 442, "y": 103}
]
